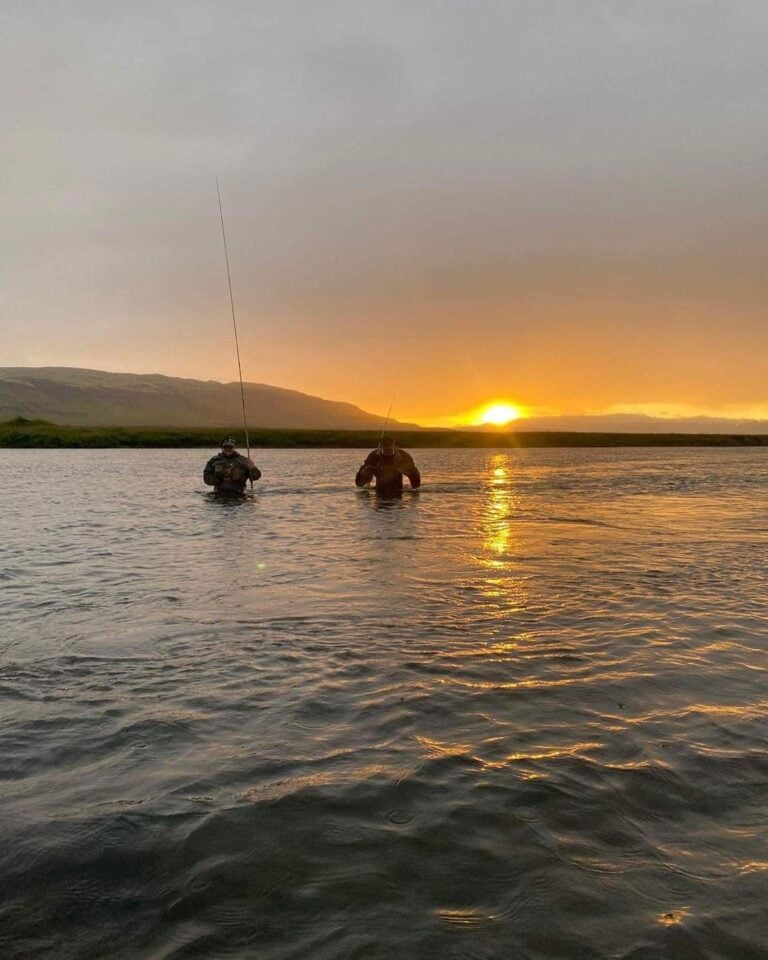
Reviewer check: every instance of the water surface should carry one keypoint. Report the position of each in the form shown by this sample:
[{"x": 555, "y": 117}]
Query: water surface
[{"x": 521, "y": 713}]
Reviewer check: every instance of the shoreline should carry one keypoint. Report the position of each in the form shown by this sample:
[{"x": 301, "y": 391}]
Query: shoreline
[{"x": 20, "y": 434}]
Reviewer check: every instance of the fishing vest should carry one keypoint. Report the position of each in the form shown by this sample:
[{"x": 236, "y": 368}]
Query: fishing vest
[{"x": 229, "y": 470}]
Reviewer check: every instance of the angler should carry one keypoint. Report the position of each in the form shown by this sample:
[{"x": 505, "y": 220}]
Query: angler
[
  {"x": 387, "y": 464},
  {"x": 229, "y": 470}
]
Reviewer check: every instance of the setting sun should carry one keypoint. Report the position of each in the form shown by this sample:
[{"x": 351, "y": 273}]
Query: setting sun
[{"x": 498, "y": 414}]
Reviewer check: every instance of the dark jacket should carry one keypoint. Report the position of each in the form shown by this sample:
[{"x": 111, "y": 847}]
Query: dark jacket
[
  {"x": 388, "y": 471},
  {"x": 229, "y": 474}
]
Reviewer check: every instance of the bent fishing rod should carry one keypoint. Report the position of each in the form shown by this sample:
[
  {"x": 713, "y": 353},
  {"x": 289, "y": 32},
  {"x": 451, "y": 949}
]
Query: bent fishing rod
[{"x": 234, "y": 327}]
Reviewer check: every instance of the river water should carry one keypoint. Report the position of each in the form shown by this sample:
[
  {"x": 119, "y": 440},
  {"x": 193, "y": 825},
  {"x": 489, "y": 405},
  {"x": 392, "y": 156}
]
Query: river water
[{"x": 522, "y": 713}]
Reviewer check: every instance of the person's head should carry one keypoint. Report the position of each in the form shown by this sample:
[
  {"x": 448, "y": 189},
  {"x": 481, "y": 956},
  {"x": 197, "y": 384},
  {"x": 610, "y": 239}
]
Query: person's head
[
  {"x": 228, "y": 447},
  {"x": 387, "y": 446}
]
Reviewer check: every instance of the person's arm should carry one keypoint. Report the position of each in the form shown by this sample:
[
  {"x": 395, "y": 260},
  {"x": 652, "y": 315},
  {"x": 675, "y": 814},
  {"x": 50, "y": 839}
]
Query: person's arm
[
  {"x": 253, "y": 471},
  {"x": 364, "y": 475},
  {"x": 367, "y": 472},
  {"x": 409, "y": 468},
  {"x": 208, "y": 477}
]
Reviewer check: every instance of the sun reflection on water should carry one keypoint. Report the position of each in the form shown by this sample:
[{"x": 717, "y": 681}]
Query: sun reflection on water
[{"x": 497, "y": 531}]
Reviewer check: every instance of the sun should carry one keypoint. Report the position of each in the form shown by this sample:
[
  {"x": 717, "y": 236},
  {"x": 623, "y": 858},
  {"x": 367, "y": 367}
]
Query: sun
[{"x": 498, "y": 414}]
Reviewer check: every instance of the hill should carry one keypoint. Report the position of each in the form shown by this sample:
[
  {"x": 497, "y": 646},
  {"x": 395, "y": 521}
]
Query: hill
[{"x": 90, "y": 398}]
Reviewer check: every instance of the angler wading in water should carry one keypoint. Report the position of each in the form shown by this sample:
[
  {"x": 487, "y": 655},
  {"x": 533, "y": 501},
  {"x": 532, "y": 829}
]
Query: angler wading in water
[
  {"x": 387, "y": 464},
  {"x": 229, "y": 470}
]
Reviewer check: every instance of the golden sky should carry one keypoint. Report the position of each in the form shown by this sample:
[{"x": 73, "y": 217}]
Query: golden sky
[{"x": 555, "y": 204}]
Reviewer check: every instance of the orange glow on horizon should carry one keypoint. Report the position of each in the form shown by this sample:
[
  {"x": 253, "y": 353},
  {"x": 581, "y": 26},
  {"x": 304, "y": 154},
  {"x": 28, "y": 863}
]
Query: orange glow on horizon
[{"x": 497, "y": 414}]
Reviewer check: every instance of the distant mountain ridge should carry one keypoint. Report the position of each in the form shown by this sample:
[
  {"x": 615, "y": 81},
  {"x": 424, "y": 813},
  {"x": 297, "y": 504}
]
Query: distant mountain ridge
[
  {"x": 632, "y": 423},
  {"x": 78, "y": 397},
  {"x": 71, "y": 396}
]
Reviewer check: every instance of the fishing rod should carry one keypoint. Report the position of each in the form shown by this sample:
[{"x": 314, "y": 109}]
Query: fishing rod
[
  {"x": 234, "y": 327},
  {"x": 384, "y": 428}
]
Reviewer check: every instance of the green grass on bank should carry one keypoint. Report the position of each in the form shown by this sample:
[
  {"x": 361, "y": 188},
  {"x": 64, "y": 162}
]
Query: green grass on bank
[{"x": 40, "y": 433}]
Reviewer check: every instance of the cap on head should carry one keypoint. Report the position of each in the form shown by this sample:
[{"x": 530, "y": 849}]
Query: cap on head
[
  {"x": 229, "y": 442},
  {"x": 387, "y": 443}
]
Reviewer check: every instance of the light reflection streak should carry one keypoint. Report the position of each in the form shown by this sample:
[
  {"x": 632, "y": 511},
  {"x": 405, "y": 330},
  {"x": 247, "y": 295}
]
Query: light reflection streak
[
  {"x": 497, "y": 532},
  {"x": 466, "y": 918},
  {"x": 754, "y": 711},
  {"x": 513, "y": 645},
  {"x": 543, "y": 753},
  {"x": 753, "y": 866},
  {"x": 673, "y": 917},
  {"x": 288, "y": 786},
  {"x": 544, "y": 684},
  {"x": 436, "y": 748}
]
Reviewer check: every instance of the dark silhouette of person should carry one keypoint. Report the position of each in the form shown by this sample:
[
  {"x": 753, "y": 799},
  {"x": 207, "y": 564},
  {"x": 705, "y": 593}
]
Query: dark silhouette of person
[{"x": 387, "y": 464}]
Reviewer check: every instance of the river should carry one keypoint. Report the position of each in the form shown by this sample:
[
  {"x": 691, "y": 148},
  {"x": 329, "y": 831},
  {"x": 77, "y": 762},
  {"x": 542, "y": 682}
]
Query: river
[{"x": 521, "y": 713}]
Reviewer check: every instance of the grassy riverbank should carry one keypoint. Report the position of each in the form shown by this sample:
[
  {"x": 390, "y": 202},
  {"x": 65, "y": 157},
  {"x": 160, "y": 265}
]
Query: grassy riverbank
[{"x": 40, "y": 433}]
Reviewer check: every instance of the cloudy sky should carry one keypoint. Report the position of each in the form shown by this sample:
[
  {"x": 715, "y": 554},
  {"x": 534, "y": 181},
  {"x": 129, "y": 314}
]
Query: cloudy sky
[{"x": 555, "y": 202}]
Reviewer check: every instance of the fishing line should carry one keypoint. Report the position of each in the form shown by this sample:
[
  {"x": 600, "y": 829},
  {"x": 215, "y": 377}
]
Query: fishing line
[
  {"x": 234, "y": 325},
  {"x": 384, "y": 428}
]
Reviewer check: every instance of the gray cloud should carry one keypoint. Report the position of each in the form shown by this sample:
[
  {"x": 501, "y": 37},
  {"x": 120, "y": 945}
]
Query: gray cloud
[{"x": 416, "y": 161}]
